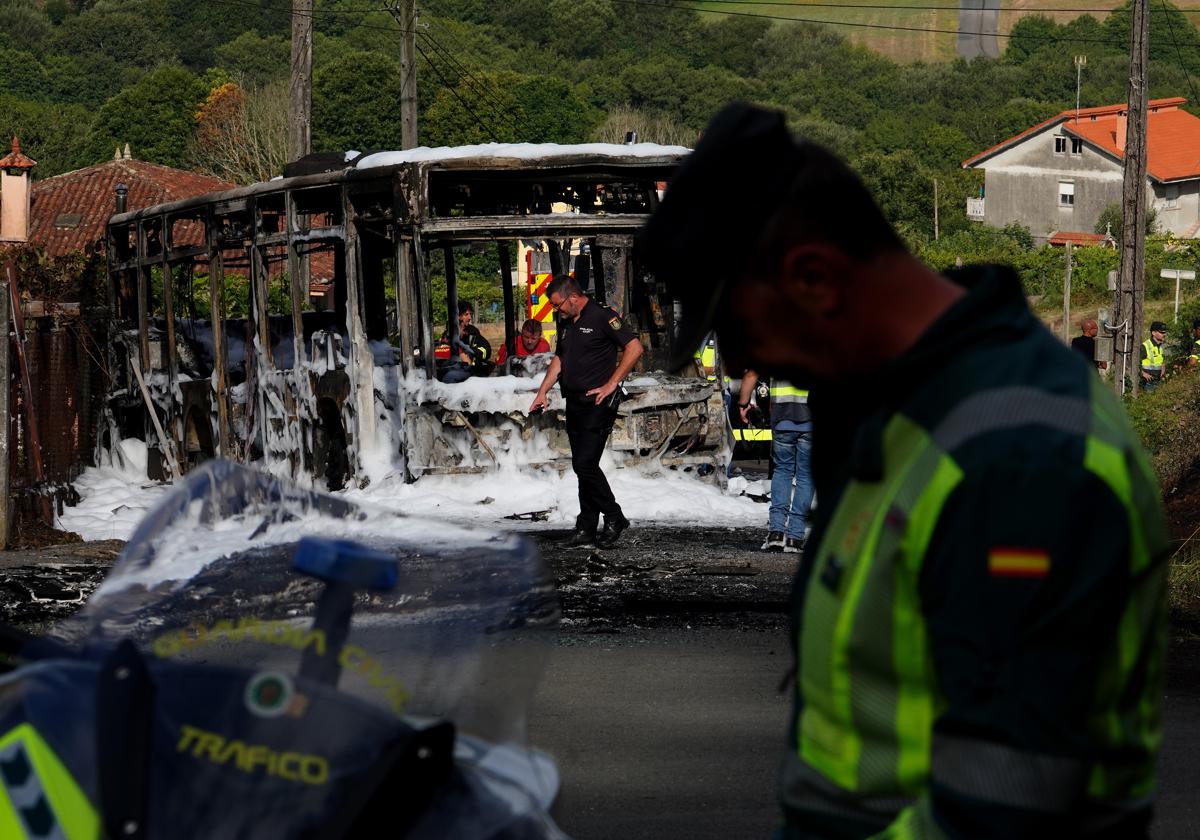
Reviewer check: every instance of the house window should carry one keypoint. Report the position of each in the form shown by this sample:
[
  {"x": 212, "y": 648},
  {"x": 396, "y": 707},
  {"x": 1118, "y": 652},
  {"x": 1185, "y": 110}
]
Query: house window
[
  {"x": 1060, "y": 145},
  {"x": 1066, "y": 194},
  {"x": 1171, "y": 197},
  {"x": 1076, "y": 146}
]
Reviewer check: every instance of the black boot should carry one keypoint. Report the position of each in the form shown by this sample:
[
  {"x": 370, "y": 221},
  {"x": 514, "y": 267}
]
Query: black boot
[
  {"x": 613, "y": 528},
  {"x": 580, "y": 538}
]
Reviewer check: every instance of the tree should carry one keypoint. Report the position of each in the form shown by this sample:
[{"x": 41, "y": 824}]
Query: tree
[
  {"x": 650, "y": 128},
  {"x": 86, "y": 80},
  {"x": 1109, "y": 221},
  {"x": 356, "y": 103},
  {"x": 194, "y": 30},
  {"x": 22, "y": 75},
  {"x": 1029, "y": 35},
  {"x": 515, "y": 109},
  {"x": 241, "y": 135},
  {"x": 733, "y": 43},
  {"x": 51, "y": 133},
  {"x": 22, "y": 25},
  {"x": 120, "y": 34},
  {"x": 255, "y": 60},
  {"x": 156, "y": 117}
]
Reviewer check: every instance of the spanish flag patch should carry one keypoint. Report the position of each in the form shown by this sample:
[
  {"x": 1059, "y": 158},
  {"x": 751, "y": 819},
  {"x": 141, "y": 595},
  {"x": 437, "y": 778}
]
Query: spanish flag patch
[{"x": 1018, "y": 562}]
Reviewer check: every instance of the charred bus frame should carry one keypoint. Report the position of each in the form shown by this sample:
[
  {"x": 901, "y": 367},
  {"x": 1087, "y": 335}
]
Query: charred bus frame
[{"x": 312, "y": 390}]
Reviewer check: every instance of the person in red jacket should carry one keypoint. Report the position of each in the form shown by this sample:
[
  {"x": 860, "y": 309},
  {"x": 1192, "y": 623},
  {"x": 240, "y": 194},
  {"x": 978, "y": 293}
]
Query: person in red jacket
[{"x": 527, "y": 343}]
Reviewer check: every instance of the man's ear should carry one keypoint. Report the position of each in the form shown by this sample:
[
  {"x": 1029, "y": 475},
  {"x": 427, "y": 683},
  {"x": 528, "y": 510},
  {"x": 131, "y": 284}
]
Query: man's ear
[{"x": 813, "y": 274}]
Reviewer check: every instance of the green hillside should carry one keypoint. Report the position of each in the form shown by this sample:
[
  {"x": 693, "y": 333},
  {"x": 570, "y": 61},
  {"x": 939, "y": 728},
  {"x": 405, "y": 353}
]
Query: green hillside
[{"x": 204, "y": 85}]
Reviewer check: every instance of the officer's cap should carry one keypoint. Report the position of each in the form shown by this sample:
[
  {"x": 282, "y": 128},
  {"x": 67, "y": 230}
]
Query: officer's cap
[
  {"x": 715, "y": 209},
  {"x": 1158, "y": 326}
]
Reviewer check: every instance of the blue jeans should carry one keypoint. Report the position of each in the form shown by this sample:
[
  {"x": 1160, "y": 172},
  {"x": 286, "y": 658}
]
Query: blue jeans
[{"x": 791, "y": 482}]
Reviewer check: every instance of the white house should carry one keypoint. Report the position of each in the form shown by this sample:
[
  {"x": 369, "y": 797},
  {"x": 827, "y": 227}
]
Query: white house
[{"x": 1060, "y": 174}]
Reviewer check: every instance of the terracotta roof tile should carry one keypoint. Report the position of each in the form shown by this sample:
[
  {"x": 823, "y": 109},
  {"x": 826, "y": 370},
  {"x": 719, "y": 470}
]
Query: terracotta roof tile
[
  {"x": 15, "y": 159},
  {"x": 89, "y": 194},
  {"x": 1172, "y": 141},
  {"x": 1172, "y": 136},
  {"x": 1062, "y": 237}
]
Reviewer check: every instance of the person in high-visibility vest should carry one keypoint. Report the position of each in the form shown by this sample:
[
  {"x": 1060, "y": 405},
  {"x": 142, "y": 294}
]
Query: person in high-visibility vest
[
  {"x": 1193, "y": 358},
  {"x": 1152, "y": 355},
  {"x": 706, "y": 358},
  {"x": 979, "y": 615},
  {"x": 791, "y": 448}
]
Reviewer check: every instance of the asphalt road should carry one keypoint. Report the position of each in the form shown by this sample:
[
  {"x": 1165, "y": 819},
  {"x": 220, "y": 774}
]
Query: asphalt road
[
  {"x": 665, "y": 733},
  {"x": 660, "y": 702},
  {"x": 677, "y": 732},
  {"x": 978, "y": 23}
]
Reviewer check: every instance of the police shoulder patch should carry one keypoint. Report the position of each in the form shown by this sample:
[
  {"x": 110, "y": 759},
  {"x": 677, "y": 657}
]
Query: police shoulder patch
[{"x": 614, "y": 322}]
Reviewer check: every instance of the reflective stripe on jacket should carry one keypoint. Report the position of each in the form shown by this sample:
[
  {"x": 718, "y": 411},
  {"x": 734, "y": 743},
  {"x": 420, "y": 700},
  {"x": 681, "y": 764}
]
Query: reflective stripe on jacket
[
  {"x": 40, "y": 798},
  {"x": 980, "y": 616},
  {"x": 1152, "y": 357},
  {"x": 788, "y": 404}
]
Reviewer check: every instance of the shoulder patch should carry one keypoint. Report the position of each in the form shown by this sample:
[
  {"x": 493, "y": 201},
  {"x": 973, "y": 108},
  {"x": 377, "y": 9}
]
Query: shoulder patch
[{"x": 615, "y": 322}]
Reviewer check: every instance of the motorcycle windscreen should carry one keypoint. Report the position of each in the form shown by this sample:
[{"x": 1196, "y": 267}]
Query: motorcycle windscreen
[{"x": 462, "y": 634}]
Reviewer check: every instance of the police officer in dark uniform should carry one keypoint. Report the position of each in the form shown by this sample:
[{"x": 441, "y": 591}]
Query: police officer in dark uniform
[{"x": 589, "y": 336}]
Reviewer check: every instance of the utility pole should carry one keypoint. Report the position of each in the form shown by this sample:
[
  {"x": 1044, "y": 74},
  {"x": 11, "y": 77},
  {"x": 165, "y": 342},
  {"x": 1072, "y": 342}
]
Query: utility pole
[
  {"x": 300, "y": 89},
  {"x": 1067, "y": 296},
  {"x": 1131, "y": 275},
  {"x": 405, "y": 14}
]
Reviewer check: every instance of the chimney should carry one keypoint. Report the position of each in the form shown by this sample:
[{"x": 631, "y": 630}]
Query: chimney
[
  {"x": 16, "y": 194},
  {"x": 122, "y": 197},
  {"x": 1122, "y": 124}
]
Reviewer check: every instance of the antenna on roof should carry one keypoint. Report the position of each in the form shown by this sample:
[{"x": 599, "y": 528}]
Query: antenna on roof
[{"x": 1080, "y": 63}]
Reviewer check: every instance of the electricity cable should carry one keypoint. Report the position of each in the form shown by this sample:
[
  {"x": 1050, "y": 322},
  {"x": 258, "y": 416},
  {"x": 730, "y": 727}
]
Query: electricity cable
[{"x": 454, "y": 92}]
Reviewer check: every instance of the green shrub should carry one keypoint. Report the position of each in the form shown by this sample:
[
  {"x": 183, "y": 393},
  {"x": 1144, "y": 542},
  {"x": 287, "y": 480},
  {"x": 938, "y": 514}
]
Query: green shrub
[{"x": 1166, "y": 420}]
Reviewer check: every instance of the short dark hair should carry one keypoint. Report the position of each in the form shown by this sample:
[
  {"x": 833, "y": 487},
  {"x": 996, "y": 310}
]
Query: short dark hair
[
  {"x": 563, "y": 285},
  {"x": 465, "y": 306},
  {"x": 1196, "y": 324},
  {"x": 532, "y": 325}
]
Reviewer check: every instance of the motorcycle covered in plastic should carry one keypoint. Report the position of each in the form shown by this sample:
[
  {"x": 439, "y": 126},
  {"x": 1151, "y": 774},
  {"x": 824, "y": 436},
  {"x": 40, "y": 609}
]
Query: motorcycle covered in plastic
[{"x": 267, "y": 661}]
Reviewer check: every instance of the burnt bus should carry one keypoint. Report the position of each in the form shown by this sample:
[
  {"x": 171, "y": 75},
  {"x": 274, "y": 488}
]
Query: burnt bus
[{"x": 293, "y": 323}]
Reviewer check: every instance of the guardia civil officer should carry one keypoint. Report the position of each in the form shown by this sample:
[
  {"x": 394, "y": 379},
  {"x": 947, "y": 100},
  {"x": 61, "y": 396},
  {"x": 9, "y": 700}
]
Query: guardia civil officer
[
  {"x": 979, "y": 612},
  {"x": 589, "y": 338}
]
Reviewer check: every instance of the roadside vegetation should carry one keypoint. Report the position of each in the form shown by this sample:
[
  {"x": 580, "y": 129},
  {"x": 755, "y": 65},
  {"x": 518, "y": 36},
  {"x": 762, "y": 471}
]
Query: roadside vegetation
[{"x": 204, "y": 86}]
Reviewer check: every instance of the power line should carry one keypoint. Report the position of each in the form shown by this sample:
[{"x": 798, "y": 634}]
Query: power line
[
  {"x": 454, "y": 92},
  {"x": 793, "y": 4},
  {"x": 1179, "y": 55},
  {"x": 479, "y": 86},
  {"x": 1051, "y": 39},
  {"x": 488, "y": 100},
  {"x": 801, "y": 4},
  {"x": 859, "y": 25}
]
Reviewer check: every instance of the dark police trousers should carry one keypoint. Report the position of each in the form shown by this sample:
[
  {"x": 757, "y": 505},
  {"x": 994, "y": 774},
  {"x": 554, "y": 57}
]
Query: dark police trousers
[{"x": 588, "y": 427}]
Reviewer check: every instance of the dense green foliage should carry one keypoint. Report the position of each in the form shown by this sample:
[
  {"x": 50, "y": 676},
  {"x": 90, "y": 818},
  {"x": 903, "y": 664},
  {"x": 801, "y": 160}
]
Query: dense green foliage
[{"x": 83, "y": 76}]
